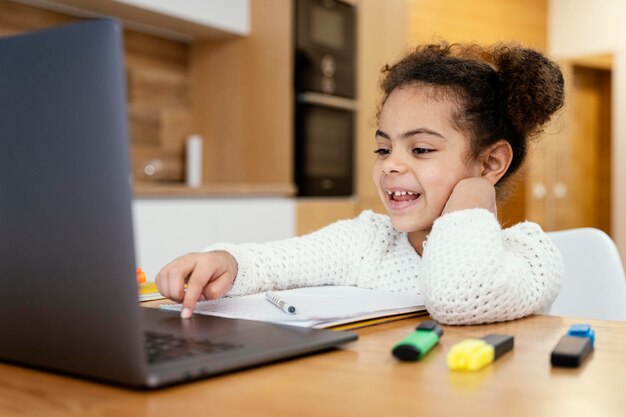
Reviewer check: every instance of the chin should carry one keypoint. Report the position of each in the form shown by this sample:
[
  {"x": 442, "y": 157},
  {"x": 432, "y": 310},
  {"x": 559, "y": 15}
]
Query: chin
[{"x": 403, "y": 224}]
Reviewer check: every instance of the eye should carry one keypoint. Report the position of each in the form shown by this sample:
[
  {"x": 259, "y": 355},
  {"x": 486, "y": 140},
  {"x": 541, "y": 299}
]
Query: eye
[
  {"x": 382, "y": 152},
  {"x": 422, "y": 151}
]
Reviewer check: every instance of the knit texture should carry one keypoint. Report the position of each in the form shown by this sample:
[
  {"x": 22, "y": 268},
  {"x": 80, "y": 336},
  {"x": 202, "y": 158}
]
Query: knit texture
[{"x": 472, "y": 271}]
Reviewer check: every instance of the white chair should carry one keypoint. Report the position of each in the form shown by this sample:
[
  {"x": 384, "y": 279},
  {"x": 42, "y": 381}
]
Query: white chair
[{"x": 595, "y": 286}]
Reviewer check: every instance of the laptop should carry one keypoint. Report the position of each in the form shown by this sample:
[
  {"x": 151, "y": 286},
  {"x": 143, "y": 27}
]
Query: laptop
[{"x": 68, "y": 293}]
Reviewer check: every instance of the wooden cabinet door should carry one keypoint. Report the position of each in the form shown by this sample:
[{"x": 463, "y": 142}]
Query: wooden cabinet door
[{"x": 570, "y": 170}]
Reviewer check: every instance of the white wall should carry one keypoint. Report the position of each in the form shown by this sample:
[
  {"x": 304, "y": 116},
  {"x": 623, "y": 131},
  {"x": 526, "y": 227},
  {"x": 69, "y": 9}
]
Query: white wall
[
  {"x": 168, "y": 228},
  {"x": 581, "y": 28}
]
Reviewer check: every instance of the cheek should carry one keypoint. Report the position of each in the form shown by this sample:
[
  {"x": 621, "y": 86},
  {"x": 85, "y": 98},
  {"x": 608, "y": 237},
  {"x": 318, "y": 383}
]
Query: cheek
[
  {"x": 439, "y": 180},
  {"x": 441, "y": 183},
  {"x": 376, "y": 174}
]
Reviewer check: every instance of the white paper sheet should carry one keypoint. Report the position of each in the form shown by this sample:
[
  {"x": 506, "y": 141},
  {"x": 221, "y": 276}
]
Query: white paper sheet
[{"x": 315, "y": 306}]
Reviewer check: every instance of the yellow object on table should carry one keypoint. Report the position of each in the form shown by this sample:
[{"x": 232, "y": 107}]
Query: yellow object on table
[
  {"x": 148, "y": 291},
  {"x": 470, "y": 355}
]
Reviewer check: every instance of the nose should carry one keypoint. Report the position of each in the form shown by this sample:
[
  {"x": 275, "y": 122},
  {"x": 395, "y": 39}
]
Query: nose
[{"x": 394, "y": 163}]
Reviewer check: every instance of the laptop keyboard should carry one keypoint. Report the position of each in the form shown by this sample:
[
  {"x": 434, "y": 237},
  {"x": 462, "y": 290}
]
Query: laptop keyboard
[{"x": 162, "y": 347}]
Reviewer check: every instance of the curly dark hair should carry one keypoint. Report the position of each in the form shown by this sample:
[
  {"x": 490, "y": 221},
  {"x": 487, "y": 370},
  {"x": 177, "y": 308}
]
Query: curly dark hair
[{"x": 503, "y": 91}]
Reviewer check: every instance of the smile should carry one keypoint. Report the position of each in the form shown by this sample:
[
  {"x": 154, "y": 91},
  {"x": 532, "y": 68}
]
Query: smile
[{"x": 400, "y": 199}]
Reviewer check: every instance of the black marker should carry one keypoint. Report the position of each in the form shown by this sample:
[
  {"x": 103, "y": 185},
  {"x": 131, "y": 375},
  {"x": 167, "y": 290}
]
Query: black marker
[{"x": 574, "y": 347}]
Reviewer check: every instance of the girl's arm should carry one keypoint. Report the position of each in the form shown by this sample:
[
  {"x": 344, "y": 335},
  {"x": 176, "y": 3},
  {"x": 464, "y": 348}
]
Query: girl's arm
[
  {"x": 324, "y": 257},
  {"x": 475, "y": 272},
  {"x": 329, "y": 256}
]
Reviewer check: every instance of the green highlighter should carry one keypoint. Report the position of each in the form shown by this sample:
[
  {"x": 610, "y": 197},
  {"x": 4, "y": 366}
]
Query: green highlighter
[{"x": 419, "y": 343}]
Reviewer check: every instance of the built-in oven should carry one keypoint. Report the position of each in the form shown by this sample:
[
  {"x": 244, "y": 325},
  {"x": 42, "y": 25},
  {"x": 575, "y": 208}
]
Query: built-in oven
[
  {"x": 324, "y": 145},
  {"x": 325, "y": 105}
]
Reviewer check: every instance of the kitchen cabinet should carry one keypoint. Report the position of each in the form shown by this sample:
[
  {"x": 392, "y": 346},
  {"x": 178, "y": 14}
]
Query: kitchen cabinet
[
  {"x": 182, "y": 20},
  {"x": 570, "y": 169}
]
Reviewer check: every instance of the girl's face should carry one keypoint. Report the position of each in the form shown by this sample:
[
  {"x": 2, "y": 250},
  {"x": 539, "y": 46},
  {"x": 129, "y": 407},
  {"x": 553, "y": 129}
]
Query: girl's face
[{"x": 421, "y": 157}]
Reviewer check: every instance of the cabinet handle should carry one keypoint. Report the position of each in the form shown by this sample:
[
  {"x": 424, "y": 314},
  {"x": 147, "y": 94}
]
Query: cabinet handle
[
  {"x": 539, "y": 191},
  {"x": 560, "y": 190}
]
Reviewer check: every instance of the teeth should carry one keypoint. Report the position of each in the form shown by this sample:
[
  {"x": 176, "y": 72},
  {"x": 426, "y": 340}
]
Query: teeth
[{"x": 400, "y": 193}]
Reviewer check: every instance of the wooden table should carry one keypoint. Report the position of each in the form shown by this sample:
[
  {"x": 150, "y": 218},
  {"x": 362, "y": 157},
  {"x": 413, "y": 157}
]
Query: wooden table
[{"x": 363, "y": 379}]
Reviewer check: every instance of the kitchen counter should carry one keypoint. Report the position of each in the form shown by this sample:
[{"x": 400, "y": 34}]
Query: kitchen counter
[{"x": 163, "y": 190}]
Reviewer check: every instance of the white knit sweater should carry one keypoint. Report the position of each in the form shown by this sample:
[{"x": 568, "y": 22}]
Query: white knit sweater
[{"x": 472, "y": 271}]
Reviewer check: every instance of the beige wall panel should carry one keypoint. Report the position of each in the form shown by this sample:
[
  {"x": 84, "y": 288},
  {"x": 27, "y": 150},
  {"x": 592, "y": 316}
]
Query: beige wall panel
[
  {"x": 242, "y": 99},
  {"x": 483, "y": 21}
]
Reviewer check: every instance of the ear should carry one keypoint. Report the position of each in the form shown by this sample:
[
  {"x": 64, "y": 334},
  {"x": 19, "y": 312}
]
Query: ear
[{"x": 496, "y": 160}]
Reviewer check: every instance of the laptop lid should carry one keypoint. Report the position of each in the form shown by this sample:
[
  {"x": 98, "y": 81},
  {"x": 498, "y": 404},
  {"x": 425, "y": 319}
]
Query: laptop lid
[
  {"x": 68, "y": 298},
  {"x": 65, "y": 214}
]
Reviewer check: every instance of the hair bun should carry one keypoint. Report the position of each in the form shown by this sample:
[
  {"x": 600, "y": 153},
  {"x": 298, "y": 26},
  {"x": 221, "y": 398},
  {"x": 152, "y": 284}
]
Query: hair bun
[{"x": 533, "y": 86}]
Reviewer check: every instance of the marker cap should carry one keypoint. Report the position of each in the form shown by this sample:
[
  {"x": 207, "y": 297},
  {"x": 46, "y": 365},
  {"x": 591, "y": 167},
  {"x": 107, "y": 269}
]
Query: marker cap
[
  {"x": 582, "y": 330},
  {"x": 430, "y": 325}
]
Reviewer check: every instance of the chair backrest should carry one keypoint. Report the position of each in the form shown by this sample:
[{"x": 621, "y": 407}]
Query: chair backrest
[{"x": 595, "y": 285}]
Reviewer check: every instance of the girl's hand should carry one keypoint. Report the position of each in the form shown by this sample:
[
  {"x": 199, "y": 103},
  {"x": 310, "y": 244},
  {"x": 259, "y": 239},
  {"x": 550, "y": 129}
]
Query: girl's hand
[
  {"x": 474, "y": 192},
  {"x": 207, "y": 274}
]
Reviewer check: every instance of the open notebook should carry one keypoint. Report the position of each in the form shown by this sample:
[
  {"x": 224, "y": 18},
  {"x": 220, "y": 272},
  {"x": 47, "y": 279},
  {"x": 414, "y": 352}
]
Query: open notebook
[{"x": 317, "y": 307}]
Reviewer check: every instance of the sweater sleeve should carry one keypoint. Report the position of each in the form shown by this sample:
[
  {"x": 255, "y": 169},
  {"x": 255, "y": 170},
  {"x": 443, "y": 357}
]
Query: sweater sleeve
[
  {"x": 324, "y": 257},
  {"x": 475, "y": 272}
]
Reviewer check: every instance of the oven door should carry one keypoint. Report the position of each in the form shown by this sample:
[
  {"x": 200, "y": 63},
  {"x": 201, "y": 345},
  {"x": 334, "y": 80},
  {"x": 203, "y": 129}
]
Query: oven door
[{"x": 324, "y": 145}]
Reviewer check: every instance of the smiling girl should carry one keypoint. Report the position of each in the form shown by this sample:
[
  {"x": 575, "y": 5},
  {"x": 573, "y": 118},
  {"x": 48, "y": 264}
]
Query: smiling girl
[{"x": 453, "y": 126}]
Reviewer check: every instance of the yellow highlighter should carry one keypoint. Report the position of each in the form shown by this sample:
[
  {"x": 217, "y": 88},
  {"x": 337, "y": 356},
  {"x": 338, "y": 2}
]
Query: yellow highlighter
[{"x": 474, "y": 354}]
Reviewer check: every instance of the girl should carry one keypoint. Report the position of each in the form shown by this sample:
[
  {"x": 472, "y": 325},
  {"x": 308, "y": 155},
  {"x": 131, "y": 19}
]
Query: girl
[{"x": 452, "y": 128}]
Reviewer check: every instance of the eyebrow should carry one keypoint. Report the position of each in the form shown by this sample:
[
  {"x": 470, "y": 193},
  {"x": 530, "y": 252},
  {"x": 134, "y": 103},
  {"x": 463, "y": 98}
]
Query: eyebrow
[{"x": 413, "y": 132}]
